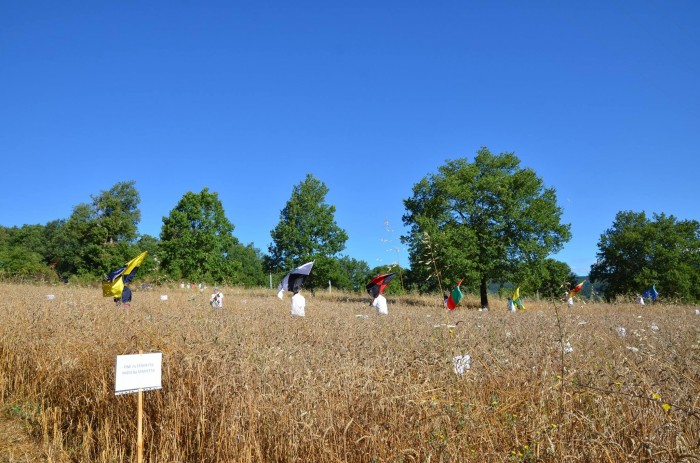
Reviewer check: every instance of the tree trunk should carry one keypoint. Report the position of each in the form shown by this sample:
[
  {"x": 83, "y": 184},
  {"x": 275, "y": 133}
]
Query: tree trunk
[{"x": 484, "y": 295}]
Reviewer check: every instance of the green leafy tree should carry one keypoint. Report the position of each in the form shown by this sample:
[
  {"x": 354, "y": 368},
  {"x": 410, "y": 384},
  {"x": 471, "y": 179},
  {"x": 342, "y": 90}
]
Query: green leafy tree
[
  {"x": 116, "y": 212},
  {"x": 98, "y": 236},
  {"x": 484, "y": 220},
  {"x": 355, "y": 274},
  {"x": 248, "y": 262},
  {"x": 22, "y": 263},
  {"x": 21, "y": 254},
  {"x": 344, "y": 273},
  {"x": 637, "y": 252},
  {"x": 196, "y": 239},
  {"x": 553, "y": 278},
  {"x": 306, "y": 232}
]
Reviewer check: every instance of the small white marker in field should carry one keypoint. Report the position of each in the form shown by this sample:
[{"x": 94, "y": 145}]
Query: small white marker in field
[
  {"x": 163, "y": 297},
  {"x": 50, "y": 297},
  {"x": 461, "y": 363}
]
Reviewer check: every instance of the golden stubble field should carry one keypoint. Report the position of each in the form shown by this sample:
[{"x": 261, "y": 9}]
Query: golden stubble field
[{"x": 252, "y": 384}]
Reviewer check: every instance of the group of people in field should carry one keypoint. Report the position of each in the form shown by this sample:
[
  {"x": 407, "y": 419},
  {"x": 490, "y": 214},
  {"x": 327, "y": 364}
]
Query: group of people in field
[
  {"x": 299, "y": 303},
  {"x": 216, "y": 300}
]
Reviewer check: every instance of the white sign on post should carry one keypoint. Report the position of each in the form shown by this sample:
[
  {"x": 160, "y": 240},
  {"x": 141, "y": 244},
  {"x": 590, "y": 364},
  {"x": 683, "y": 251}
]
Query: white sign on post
[{"x": 138, "y": 372}]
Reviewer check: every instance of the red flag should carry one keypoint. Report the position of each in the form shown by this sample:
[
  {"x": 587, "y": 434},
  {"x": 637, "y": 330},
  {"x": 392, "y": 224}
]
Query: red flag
[
  {"x": 576, "y": 289},
  {"x": 376, "y": 285}
]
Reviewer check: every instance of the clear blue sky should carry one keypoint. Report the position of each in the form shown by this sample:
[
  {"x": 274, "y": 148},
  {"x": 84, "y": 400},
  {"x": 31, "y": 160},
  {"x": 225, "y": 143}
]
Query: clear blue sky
[{"x": 601, "y": 99}]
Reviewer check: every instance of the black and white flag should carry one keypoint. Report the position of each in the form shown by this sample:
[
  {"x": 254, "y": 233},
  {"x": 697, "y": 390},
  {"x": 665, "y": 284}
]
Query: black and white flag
[{"x": 294, "y": 280}]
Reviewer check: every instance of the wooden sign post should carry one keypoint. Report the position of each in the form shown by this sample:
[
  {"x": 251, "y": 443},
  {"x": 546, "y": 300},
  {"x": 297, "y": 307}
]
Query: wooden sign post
[{"x": 138, "y": 373}]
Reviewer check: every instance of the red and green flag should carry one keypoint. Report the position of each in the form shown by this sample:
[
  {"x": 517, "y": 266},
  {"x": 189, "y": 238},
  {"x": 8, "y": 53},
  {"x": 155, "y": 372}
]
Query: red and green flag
[{"x": 455, "y": 297}]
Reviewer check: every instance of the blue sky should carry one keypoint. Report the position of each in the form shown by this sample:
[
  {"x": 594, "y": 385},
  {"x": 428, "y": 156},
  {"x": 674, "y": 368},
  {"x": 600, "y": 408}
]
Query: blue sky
[{"x": 601, "y": 99}]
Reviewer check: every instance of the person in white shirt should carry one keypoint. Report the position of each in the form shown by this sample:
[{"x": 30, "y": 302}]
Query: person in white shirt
[
  {"x": 379, "y": 303},
  {"x": 298, "y": 305},
  {"x": 217, "y": 299}
]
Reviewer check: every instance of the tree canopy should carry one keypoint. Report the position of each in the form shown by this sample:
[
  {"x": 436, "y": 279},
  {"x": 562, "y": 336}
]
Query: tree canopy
[
  {"x": 638, "y": 252},
  {"x": 484, "y": 220},
  {"x": 306, "y": 232},
  {"x": 196, "y": 239}
]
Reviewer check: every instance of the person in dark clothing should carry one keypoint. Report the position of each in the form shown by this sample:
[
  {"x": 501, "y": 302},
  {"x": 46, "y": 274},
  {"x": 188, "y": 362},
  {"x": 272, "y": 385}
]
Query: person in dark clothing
[{"x": 125, "y": 299}]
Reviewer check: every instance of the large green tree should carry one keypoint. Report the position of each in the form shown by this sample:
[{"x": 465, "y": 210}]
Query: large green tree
[
  {"x": 196, "y": 239},
  {"x": 248, "y": 265},
  {"x": 484, "y": 220},
  {"x": 116, "y": 212},
  {"x": 307, "y": 231},
  {"x": 98, "y": 237},
  {"x": 637, "y": 252},
  {"x": 21, "y": 254}
]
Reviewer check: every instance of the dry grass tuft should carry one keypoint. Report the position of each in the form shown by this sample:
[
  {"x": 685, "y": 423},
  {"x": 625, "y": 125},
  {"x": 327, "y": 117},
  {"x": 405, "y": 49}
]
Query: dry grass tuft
[{"x": 250, "y": 383}]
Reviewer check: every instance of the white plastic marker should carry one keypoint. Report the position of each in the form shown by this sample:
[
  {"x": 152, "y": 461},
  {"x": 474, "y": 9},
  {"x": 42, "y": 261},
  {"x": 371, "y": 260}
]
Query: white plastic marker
[
  {"x": 461, "y": 363},
  {"x": 138, "y": 373}
]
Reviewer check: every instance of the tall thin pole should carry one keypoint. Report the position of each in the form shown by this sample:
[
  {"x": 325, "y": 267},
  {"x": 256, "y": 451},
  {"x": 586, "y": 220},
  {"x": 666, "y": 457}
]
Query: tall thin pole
[
  {"x": 139, "y": 438},
  {"x": 139, "y": 432}
]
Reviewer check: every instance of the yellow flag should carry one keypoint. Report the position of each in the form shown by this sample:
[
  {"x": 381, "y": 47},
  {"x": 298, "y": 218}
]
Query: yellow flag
[
  {"x": 113, "y": 285},
  {"x": 113, "y": 288},
  {"x": 133, "y": 263}
]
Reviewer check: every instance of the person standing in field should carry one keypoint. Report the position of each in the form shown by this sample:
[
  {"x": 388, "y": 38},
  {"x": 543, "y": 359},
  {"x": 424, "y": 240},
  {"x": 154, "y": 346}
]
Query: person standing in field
[
  {"x": 298, "y": 305},
  {"x": 125, "y": 299},
  {"x": 379, "y": 303},
  {"x": 217, "y": 299}
]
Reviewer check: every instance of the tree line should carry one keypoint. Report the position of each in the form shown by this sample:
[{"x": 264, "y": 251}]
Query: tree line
[{"x": 483, "y": 222}]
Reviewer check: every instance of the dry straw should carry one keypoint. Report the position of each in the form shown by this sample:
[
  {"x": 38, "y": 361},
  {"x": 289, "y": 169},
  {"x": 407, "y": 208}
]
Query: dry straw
[{"x": 251, "y": 384}]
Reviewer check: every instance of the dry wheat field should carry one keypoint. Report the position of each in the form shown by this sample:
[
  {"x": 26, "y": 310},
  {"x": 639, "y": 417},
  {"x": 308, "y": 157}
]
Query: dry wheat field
[{"x": 251, "y": 384}]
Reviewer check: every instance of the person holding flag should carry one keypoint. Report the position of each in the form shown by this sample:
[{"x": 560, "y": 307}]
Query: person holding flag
[
  {"x": 293, "y": 282},
  {"x": 298, "y": 305},
  {"x": 375, "y": 287},
  {"x": 114, "y": 285},
  {"x": 572, "y": 292},
  {"x": 125, "y": 299}
]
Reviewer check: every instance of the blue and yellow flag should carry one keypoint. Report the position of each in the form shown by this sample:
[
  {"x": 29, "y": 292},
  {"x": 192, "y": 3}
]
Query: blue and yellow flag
[{"x": 113, "y": 285}]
